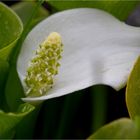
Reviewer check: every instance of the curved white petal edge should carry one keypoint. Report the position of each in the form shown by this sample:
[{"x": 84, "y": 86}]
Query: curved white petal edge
[{"x": 98, "y": 49}]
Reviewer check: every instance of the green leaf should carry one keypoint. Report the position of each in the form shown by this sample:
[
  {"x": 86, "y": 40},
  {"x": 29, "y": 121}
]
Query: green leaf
[
  {"x": 24, "y": 11},
  {"x": 9, "y": 120},
  {"x": 120, "y": 9},
  {"x": 4, "y": 67},
  {"x": 119, "y": 129},
  {"x": 13, "y": 90},
  {"x": 133, "y": 91},
  {"x": 30, "y": 121},
  {"x": 10, "y": 30}
]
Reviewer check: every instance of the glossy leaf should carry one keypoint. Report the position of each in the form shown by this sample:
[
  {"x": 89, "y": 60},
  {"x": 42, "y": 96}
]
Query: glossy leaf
[
  {"x": 24, "y": 11},
  {"x": 120, "y": 9},
  {"x": 10, "y": 30},
  {"x": 9, "y": 120},
  {"x": 133, "y": 91},
  {"x": 119, "y": 129}
]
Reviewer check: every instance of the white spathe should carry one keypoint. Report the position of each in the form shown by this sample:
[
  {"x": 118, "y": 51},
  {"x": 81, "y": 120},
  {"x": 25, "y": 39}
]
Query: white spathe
[{"x": 98, "y": 49}]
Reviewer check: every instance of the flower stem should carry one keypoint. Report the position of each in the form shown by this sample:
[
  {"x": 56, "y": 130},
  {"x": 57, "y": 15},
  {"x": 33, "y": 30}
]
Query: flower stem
[
  {"x": 99, "y": 106},
  {"x": 69, "y": 111}
]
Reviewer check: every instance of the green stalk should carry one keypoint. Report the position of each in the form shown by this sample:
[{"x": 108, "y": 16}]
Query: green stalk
[
  {"x": 70, "y": 107},
  {"x": 50, "y": 117},
  {"x": 99, "y": 106}
]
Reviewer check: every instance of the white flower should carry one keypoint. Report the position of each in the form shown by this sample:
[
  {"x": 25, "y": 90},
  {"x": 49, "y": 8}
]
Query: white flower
[{"x": 98, "y": 49}]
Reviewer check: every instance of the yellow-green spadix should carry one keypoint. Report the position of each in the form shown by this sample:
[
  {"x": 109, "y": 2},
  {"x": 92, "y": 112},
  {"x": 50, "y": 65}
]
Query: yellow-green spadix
[
  {"x": 44, "y": 66},
  {"x": 98, "y": 49}
]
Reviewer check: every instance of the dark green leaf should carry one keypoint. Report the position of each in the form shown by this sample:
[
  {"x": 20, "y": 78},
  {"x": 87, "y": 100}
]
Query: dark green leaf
[
  {"x": 9, "y": 120},
  {"x": 30, "y": 121},
  {"x": 4, "y": 67}
]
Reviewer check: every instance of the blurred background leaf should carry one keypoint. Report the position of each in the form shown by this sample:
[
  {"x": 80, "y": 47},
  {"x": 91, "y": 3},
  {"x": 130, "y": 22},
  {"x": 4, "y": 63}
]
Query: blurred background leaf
[
  {"x": 134, "y": 17},
  {"x": 24, "y": 10},
  {"x": 118, "y": 8}
]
